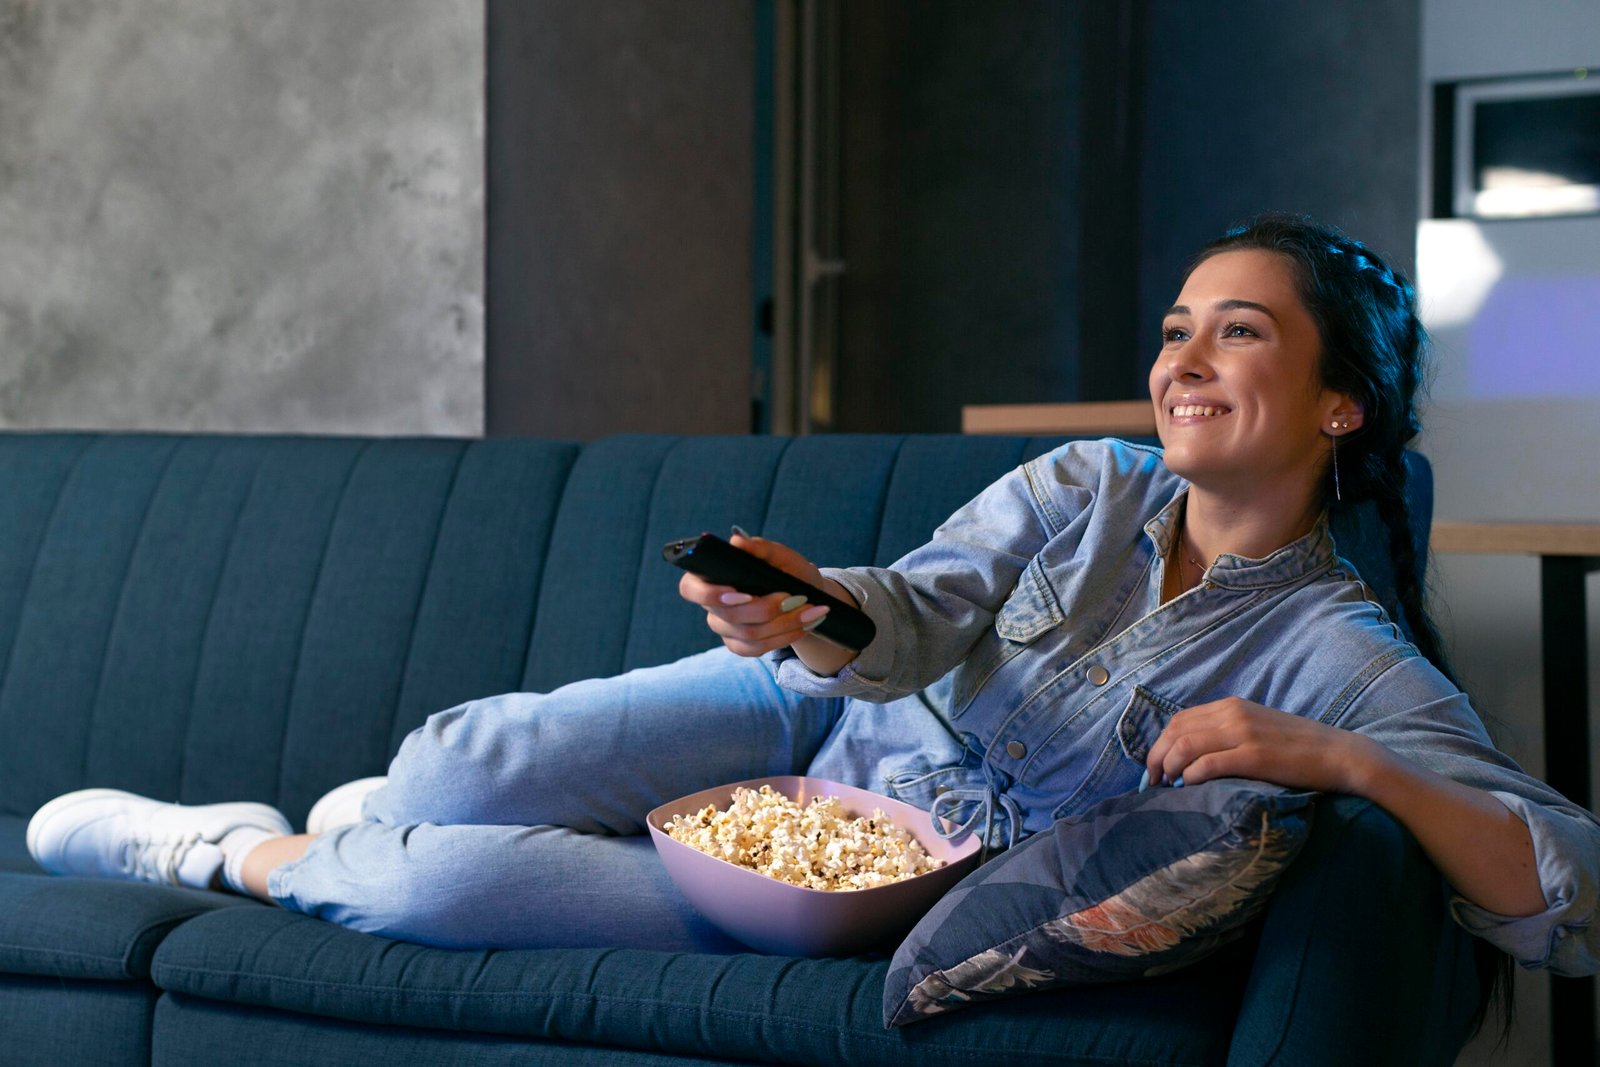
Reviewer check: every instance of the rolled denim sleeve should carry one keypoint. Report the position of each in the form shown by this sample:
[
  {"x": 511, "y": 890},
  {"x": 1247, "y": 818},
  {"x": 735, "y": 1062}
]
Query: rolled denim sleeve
[
  {"x": 1561, "y": 937},
  {"x": 1439, "y": 730}
]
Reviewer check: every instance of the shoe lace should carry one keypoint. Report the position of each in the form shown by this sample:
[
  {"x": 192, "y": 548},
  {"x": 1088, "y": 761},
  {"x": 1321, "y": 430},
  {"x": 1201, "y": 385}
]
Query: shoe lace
[{"x": 155, "y": 858}]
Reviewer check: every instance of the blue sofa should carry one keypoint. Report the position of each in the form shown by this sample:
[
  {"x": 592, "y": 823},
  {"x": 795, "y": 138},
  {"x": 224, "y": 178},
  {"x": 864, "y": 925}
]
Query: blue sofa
[{"x": 214, "y": 617}]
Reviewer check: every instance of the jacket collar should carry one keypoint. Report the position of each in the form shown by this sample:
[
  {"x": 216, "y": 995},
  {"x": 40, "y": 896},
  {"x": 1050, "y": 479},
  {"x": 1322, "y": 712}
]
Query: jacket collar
[{"x": 1295, "y": 561}]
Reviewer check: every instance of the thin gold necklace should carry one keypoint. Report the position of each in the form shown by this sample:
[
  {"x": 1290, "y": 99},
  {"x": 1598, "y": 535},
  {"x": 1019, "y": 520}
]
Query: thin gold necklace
[{"x": 1180, "y": 556}]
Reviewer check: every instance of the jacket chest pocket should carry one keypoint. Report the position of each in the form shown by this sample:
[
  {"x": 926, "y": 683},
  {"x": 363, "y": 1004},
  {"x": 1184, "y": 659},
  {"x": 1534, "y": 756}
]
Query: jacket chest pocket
[
  {"x": 1142, "y": 721},
  {"x": 1121, "y": 761},
  {"x": 1030, "y": 612}
]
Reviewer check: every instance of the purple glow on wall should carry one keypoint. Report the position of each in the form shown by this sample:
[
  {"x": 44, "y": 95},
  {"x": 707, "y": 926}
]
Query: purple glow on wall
[{"x": 1538, "y": 336}]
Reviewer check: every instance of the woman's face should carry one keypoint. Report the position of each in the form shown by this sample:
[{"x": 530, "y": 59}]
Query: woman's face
[{"x": 1237, "y": 388}]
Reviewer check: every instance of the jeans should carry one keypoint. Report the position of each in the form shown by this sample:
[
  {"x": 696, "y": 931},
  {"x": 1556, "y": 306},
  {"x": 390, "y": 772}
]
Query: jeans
[{"x": 518, "y": 821}]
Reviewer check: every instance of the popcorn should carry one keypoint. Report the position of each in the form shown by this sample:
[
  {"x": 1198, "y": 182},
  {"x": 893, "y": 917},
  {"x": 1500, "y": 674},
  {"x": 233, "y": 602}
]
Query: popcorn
[{"x": 817, "y": 846}]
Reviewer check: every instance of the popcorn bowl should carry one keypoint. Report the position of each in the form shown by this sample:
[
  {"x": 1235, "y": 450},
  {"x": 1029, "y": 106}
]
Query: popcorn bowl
[{"x": 791, "y": 920}]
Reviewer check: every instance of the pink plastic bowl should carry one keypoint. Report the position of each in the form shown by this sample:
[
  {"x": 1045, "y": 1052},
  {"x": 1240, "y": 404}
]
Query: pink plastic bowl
[{"x": 790, "y": 920}]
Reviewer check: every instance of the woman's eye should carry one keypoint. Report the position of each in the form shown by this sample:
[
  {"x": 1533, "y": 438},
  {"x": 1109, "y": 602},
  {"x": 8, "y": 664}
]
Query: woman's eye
[
  {"x": 1174, "y": 333},
  {"x": 1238, "y": 329}
]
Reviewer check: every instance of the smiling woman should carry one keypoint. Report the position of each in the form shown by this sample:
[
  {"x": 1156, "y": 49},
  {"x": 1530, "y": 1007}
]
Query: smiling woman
[{"x": 1106, "y": 619}]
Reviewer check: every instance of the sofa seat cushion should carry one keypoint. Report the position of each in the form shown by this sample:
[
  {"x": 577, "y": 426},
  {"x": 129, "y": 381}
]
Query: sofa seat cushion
[
  {"x": 740, "y": 1007},
  {"x": 86, "y": 928},
  {"x": 14, "y": 847}
]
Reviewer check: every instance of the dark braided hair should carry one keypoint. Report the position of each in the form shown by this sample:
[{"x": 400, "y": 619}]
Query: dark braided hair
[{"x": 1374, "y": 350}]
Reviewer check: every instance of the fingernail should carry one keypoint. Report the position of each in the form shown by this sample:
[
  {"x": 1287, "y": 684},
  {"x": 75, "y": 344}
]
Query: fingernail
[
  {"x": 812, "y": 617},
  {"x": 1144, "y": 780},
  {"x": 1179, "y": 783},
  {"x": 740, "y": 530},
  {"x": 734, "y": 599},
  {"x": 791, "y": 603}
]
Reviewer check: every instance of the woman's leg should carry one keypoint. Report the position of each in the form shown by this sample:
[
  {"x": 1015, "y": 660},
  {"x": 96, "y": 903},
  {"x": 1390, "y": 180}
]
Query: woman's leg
[
  {"x": 597, "y": 755},
  {"x": 518, "y": 821},
  {"x": 493, "y": 887},
  {"x": 261, "y": 861}
]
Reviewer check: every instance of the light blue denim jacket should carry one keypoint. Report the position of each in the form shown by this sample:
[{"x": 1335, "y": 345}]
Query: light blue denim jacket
[{"x": 1031, "y": 630}]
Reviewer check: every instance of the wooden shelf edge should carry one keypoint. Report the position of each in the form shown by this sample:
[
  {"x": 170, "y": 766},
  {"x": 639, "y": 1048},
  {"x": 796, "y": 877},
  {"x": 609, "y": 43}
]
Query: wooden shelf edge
[{"x": 1112, "y": 417}]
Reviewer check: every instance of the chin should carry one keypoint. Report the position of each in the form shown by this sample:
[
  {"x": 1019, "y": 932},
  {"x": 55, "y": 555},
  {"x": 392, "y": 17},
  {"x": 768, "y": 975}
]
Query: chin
[{"x": 1178, "y": 459}]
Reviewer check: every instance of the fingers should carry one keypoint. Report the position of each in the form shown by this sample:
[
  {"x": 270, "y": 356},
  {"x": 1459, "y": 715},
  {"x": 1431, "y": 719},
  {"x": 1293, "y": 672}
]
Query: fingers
[
  {"x": 779, "y": 555},
  {"x": 1198, "y": 741},
  {"x": 762, "y": 624},
  {"x": 1198, "y": 757}
]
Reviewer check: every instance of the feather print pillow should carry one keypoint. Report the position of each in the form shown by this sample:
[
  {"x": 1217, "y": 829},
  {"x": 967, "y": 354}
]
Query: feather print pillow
[{"x": 1138, "y": 885}]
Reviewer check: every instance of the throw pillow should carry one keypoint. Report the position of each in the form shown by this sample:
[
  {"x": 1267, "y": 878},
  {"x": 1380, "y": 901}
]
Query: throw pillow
[{"x": 1138, "y": 885}]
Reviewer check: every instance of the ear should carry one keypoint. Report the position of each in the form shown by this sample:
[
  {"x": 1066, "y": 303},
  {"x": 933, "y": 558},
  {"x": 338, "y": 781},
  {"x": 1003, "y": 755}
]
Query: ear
[{"x": 1344, "y": 415}]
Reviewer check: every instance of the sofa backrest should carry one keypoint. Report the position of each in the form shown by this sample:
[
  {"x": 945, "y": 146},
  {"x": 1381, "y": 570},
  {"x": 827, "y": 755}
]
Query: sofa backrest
[{"x": 210, "y": 617}]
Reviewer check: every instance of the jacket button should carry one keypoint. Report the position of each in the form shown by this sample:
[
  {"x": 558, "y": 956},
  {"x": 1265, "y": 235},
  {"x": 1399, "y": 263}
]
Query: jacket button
[
  {"x": 1016, "y": 749},
  {"x": 1098, "y": 675}
]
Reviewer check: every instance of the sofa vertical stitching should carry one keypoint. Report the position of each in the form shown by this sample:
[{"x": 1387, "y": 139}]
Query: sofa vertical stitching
[
  {"x": 772, "y": 483},
  {"x": 535, "y": 594},
  {"x": 245, "y": 499},
  {"x": 422, "y": 589},
  {"x": 175, "y": 447},
  {"x": 634, "y": 611},
  {"x": 883, "y": 498},
  {"x": 38, "y": 548},
  {"x": 305, "y": 616}
]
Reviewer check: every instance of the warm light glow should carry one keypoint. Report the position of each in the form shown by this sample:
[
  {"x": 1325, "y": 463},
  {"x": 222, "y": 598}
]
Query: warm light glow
[{"x": 1456, "y": 268}]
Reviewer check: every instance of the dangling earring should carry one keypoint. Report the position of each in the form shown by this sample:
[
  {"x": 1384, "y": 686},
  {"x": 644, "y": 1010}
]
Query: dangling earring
[{"x": 1337, "y": 495}]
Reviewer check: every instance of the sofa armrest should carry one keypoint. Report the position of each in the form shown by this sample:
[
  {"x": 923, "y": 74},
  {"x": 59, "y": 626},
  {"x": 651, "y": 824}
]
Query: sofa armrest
[{"x": 1359, "y": 960}]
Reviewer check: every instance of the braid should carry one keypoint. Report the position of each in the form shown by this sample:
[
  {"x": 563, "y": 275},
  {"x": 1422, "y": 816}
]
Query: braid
[{"x": 1389, "y": 494}]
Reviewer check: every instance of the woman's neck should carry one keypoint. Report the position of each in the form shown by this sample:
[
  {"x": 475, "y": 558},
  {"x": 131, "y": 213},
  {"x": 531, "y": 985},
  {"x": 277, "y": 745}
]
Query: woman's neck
[{"x": 1214, "y": 524}]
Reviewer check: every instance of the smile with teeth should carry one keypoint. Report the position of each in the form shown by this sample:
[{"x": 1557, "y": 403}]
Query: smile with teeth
[{"x": 1187, "y": 410}]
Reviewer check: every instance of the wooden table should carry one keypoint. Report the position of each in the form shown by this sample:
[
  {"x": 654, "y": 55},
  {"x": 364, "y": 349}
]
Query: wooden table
[{"x": 1567, "y": 553}]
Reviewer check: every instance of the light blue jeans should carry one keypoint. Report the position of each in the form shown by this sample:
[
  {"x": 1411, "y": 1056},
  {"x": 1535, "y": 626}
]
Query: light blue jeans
[{"x": 518, "y": 821}]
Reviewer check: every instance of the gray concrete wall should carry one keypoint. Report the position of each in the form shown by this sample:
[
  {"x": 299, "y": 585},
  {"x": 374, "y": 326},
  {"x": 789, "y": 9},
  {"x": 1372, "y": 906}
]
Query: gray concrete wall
[
  {"x": 1512, "y": 306},
  {"x": 232, "y": 215}
]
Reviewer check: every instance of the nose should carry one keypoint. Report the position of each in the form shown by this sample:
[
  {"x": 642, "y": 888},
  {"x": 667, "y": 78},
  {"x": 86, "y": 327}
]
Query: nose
[{"x": 1189, "y": 361}]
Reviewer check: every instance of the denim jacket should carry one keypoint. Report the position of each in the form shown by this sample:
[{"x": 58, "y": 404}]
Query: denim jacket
[{"x": 1031, "y": 629}]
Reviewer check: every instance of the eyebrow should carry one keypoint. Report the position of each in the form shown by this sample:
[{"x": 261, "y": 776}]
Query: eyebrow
[{"x": 1226, "y": 305}]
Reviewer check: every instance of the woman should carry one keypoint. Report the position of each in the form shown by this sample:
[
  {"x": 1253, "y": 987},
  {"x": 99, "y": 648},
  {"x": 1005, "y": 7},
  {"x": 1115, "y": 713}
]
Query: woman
[{"x": 1185, "y": 604}]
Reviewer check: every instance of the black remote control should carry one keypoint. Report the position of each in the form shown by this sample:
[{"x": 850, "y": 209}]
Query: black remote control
[{"x": 717, "y": 561}]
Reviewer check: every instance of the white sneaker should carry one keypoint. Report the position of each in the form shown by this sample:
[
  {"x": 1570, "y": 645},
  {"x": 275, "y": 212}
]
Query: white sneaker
[
  {"x": 341, "y": 805},
  {"x": 106, "y": 833}
]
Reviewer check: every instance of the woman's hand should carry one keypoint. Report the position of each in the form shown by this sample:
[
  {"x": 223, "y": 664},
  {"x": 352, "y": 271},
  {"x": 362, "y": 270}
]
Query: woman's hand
[
  {"x": 753, "y": 626},
  {"x": 1240, "y": 739}
]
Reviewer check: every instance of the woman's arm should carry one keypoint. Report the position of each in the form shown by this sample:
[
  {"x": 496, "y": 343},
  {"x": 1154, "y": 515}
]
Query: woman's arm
[{"x": 1480, "y": 846}]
